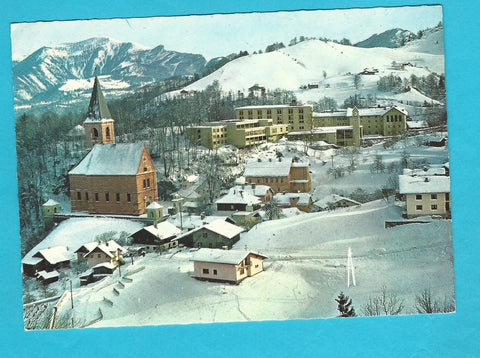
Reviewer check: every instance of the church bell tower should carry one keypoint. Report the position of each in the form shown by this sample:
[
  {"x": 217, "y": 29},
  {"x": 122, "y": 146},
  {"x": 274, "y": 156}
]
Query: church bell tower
[{"x": 99, "y": 125}]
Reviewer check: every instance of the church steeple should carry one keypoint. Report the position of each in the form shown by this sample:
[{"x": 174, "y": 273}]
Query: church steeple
[{"x": 99, "y": 125}]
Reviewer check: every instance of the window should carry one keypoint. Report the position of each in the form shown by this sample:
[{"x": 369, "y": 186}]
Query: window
[
  {"x": 419, "y": 207},
  {"x": 210, "y": 245},
  {"x": 148, "y": 183},
  {"x": 94, "y": 133},
  {"x": 86, "y": 195},
  {"x": 214, "y": 271},
  {"x": 447, "y": 196},
  {"x": 99, "y": 255},
  {"x": 433, "y": 196},
  {"x": 107, "y": 132},
  {"x": 96, "y": 196},
  {"x": 129, "y": 197},
  {"x": 107, "y": 196},
  {"x": 144, "y": 183},
  {"x": 242, "y": 271},
  {"x": 205, "y": 271},
  {"x": 434, "y": 207},
  {"x": 79, "y": 195},
  {"x": 145, "y": 169},
  {"x": 418, "y": 196},
  {"x": 117, "y": 196}
]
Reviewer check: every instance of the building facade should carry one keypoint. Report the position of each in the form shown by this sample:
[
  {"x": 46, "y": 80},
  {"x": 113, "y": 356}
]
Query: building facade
[{"x": 296, "y": 117}]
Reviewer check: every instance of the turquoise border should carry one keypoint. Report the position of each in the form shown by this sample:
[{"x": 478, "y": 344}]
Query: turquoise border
[{"x": 405, "y": 336}]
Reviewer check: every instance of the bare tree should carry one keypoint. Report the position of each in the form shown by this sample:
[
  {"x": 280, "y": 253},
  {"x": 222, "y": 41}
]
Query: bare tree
[{"x": 387, "y": 303}]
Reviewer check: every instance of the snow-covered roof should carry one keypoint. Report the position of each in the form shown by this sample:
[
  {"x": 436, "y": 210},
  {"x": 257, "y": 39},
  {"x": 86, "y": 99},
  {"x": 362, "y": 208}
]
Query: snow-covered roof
[
  {"x": 423, "y": 184},
  {"x": 51, "y": 202},
  {"x": 238, "y": 196},
  {"x": 111, "y": 159},
  {"x": 46, "y": 275},
  {"x": 224, "y": 228},
  {"x": 54, "y": 254},
  {"x": 332, "y": 199},
  {"x": 257, "y": 167},
  {"x": 375, "y": 111},
  {"x": 233, "y": 257},
  {"x": 163, "y": 230},
  {"x": 154, "y": 205},
  {"x": 190, "y": 192},
  {"x": 321, "y": 130},
  {"x": 31, "y": 260},
  {"x": 108, "y": 248},
  {"x": 330, "y": 114},
  {"x": 77, "y": 131},
  {"x": 256, "y": 189},
  {"x": 193, "y": 221},
  {"x": 284, "y": 199},
  {"x": 424, "y": 171},
  {"x": 417, "y": 124},
  {"x": 89, "y": 246}
]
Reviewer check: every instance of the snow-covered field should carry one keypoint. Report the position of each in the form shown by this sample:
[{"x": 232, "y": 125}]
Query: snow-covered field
[{"x": 304, "y": 272}]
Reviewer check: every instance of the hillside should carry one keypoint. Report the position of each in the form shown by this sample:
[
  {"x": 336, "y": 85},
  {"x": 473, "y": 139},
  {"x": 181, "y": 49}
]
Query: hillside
[
  {"x": 391, "y": 38},
  {"x": 329, "y": 65}
]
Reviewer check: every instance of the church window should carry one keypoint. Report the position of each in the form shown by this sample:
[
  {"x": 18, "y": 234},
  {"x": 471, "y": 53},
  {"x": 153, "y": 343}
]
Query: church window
[
  {"x": 86, "y": 195},
  {"x": 145, "y": 169},
  {"x": 107, "y": 132},
  {"x": 144, "y": 183},
  {"x": 94, "y": 133},
  {"x": 148, "y": 183},
  {"x": 129, "y": 197},
  {"x": 96, "y": 196},
  {"x": 117, "y": 196},
  {"x": 79, "y": 195},
  {"x": 107, "y": 196}
]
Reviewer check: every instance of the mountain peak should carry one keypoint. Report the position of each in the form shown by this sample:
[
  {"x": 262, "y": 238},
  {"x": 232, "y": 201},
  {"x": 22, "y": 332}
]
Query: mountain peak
[{"x": 392, "y": 38}]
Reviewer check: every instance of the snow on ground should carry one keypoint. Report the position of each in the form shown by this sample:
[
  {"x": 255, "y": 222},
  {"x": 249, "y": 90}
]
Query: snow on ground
[
  {"x": 304, "y": 272},
  {"x": 75, "y": 232}
]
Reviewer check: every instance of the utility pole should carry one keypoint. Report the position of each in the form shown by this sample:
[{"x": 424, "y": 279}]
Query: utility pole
[
  {"x": 350, "y": 268},
  {"x": 71, "y": 293}
]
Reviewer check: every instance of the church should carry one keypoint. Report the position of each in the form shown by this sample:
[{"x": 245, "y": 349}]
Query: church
[{"x": 112, "y": 178}]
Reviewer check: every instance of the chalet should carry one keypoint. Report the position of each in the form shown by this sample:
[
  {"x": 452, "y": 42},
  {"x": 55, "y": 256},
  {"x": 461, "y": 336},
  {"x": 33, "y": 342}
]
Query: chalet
[
  {"x": 53, "y": 258},
  {"x": 247, "y": 218},
  {"x": 238, "y": 199},
  {"x": 105, "y": 252},
  {"x": 155, "y": 237},
  {"x": 85, "y": 249},
  {"x": 426, "y": 195},
  {"x": 111, "y": 178},
  {"x": 230, "y": 266},
  {"x": 302, "y": 201},
  {"x": 47, "y": 277},
  {"x": 281, "y": 174},
  {"x": 334, "y": 201},
  {"x": 436, "y": 141},
  {"x": 194, "y": 191},
  {"x": 217, "y": 234},
  {"x": 263, "y": 192}
]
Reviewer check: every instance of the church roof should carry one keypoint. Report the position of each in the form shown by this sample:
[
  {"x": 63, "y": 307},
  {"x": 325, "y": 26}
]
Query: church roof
[
  {"x": 97, "y": 109},
  {"x": 110, "y": 159}
]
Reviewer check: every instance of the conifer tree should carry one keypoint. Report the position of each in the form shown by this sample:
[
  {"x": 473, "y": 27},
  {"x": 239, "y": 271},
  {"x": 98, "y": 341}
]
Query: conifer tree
[{"x": 345, "y": 306}]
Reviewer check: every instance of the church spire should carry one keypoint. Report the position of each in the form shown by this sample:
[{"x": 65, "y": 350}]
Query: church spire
[
  {"x": 99, "y": 124},
  {"x": 98, "y": 109}
]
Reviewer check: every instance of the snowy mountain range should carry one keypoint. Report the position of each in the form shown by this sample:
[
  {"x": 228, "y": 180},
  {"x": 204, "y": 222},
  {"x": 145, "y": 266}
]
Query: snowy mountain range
[
  {"x": 63, "y": 75},
  {"x": 53, "y": 73}
]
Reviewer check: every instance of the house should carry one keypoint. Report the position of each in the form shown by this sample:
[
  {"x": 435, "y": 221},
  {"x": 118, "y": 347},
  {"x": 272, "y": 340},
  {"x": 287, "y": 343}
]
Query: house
[
  {"x": 281, "y": 174},
  {"x": 436, "y": 141},
  {"x": 256, "y": 91},
  {"x": 190, "y": 222},
  {"x": 47, "y": 277},
  {"x": 426, "y": 195},
  {"x": 156, "y": 237},
  {"x": 230, "y": 266},
  {"x": 194, "y": 192},
  {"x": 302, "y": 201},
  {"x": 50, "y": 259},
  {"x": 85, "y": 249},
  {"x": 105, "y": 252},
  {"x": 50, "y": 208},
  {"x": 238, "y": 199},
  {"x": 247, "y": 218},
  {"x": 217, "y": 234},
  {"x": 334, "y": 201},
  {"x": 111, "y": 178},
  {"x": 433, "y": 170}
]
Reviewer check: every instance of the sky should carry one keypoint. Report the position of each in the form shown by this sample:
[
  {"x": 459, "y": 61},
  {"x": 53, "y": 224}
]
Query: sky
[{"x": 221, "y": 34}]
